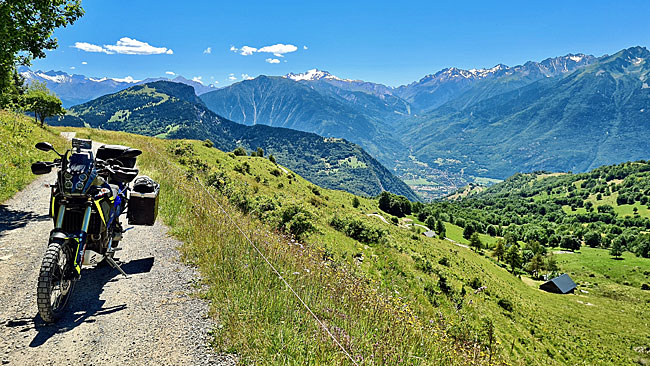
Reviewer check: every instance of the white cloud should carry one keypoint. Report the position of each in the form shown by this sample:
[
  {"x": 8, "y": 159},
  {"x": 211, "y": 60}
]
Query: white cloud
[
  {"x": 170, "y": 73},
  {"x": 305, "y": 48},
  {"x": 208, "y": 50},
  {"x": 72, "y": 67},
  {"x": 272, "y": 60},
  {"x": 84, "y": 63},
  {"x": 125, "y": 45},
  {"x": 88, "y": 47},
  {"x": 232, "y": 77},
  {"x": 128, "y": 79},
  {"x": 198, "y": 79},
  {"x": 278, "y": 50},
  {"x": 246, "y": 77}
]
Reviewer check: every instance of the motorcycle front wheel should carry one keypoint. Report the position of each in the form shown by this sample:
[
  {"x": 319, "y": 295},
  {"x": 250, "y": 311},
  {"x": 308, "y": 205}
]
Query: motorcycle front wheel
[{"x": 54, "y": 289}]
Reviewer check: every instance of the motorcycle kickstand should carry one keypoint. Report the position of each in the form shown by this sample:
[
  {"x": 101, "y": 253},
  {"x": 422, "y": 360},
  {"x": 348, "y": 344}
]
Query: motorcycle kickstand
[{"x": 114, "y": 264}]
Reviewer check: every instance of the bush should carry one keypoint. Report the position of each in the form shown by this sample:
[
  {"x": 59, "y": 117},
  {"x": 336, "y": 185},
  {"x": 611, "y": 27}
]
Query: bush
[
  {"x": 645, "y": 287},
  {"x": 355, "y": 202},
  {"x": 276, "y": 172},
  {"x": 296, "y": 220},
  {"x": 357, "y": 229},
  {"x": 239, "y": 151},
  {"x": 208, "y": 143},
  {"x": 505, "y": 304},
  {"x": 272, "y": 159},
  {"x": 475, "y": 283}
]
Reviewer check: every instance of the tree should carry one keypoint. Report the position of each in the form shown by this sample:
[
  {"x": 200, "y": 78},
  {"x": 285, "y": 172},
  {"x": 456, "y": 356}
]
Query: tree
[
  {"x": 616, "y": 249},
  {"x": 393, "y": 204},
  {"x": 239, "y": 151},
  {"x": 441, "y": 230},
  {"x": 430, "y": 222},
  {"x": 468, "y": 230},
  {"x": 570, "y": 242},
  {"x": 513, "y": 258},
  {"x": 475, "y": 242},
  {"x": 593, "y": 239},
  {"x": 642, "y": 246},
  {"x": 499, "y": 250},
  {"x": 272, "y": 159},
  {"x": 355, "y": 202},
  {"x": 551, "y": 264},
  {"x": 42, "y": 102},
  {"x": 536, "y": 265},
  {"x": 260, "y": 152},
  {"x": 26, "y": 29}
]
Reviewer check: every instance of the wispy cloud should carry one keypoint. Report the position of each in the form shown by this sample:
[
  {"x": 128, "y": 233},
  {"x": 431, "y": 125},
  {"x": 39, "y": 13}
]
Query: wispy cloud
[
  {"x": 84, "y": 63},
  {"x": 198, "y": 79},
  {"x": 170, "y": 73},
  {"x": 72, "y": 67},
  {"x": 208, "y": 50},
  {"x": 246, "y": 77},
  {"x": 126, "y": 46},
  {"x": 272, "y": 60},
  {"x": 305, "y": 47},
  {"x": 232, "y": 77},
  {"x": 277, "y": 50},
  {"x": 88, "y": 47}
]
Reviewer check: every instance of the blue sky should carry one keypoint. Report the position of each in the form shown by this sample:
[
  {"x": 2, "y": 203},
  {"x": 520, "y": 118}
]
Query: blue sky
[{"x": 391, "y": 42}]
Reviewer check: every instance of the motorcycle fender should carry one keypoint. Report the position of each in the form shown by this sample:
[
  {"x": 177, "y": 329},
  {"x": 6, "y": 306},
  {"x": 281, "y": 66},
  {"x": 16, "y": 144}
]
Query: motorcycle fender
[{"x": 57, "y": 234}]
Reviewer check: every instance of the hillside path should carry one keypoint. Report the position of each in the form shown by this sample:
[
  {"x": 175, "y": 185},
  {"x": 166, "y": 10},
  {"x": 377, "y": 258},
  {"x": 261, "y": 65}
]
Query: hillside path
[{"x": 148, "y": 319}]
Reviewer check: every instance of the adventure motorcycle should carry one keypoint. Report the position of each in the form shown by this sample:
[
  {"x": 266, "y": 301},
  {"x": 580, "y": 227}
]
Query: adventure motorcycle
[{"x": 87, "y": 200}]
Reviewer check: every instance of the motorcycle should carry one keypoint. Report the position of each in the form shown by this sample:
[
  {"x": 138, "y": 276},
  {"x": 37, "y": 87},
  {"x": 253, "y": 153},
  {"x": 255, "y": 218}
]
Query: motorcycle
[{"x": 87, "y": 199}]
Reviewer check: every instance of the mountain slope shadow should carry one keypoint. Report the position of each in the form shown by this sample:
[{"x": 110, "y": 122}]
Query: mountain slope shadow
[{"x": 85, "y": 302}]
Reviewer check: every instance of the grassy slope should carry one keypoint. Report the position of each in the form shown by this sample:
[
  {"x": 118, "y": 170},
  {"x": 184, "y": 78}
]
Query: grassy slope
[
  {"x": 259, "y": 319},
  {"x": 18, "y": 134}
]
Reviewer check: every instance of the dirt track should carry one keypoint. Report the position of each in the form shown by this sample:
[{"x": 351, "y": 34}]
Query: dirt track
[{"x": 147, "y": 319}]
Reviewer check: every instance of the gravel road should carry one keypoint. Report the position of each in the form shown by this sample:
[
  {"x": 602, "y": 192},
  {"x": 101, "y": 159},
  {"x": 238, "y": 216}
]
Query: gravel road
[{"x": 147, "y": 319}]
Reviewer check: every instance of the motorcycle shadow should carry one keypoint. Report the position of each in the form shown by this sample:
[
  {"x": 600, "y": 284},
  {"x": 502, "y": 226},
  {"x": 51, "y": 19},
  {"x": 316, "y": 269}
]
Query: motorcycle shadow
[{"x": 85, "y": 303}]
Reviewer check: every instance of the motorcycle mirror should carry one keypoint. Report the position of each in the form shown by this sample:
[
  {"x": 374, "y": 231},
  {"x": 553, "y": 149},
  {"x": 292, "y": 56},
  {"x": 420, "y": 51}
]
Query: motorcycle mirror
[
  {"x": 131, "y": 153},
  {"x": 44, "y": 146}
]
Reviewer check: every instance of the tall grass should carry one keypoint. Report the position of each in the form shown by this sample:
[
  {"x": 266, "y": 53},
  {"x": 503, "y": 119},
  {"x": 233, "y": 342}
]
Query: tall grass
[
  {"x": 257, "y": 316},
  {"x": 18, "y": 134}
]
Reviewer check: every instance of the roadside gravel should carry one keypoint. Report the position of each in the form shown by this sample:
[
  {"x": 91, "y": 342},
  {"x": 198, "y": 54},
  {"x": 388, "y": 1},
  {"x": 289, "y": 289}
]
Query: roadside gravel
[{"x": 148, "y": 319}]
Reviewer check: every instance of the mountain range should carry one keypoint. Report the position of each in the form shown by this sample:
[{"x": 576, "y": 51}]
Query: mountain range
[
  {"x": 567, "y": 113},
  {"x": 77, "y": 89},
  {"x": 172, "y": 110}
]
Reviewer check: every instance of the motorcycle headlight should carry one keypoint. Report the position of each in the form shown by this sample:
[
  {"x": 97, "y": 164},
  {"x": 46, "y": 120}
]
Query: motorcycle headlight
[
  {"x": 68, "y": 184},
  {"x": 80, "y": 186},
  {"x": 83, "y": 177},
  {"x": 67, "y": 176}
]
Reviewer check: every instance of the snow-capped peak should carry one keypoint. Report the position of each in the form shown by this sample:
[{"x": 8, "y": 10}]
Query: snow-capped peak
[{"x": 312, "y": 75}]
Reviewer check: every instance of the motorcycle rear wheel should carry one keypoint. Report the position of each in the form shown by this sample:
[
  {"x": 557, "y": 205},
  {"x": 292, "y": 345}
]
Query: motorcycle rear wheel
[{"x": 53, "y": 289}]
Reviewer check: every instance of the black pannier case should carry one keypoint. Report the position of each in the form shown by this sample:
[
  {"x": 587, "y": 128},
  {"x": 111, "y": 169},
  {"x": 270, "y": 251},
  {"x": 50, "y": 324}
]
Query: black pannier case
[
  {"x": 106, "y": 152},
  {"x": 143, "y": 202}
]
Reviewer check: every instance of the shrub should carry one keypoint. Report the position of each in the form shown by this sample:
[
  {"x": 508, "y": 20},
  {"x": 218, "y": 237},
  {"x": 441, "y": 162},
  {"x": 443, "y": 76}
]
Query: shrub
[
  {"x": 505, "y": 304},
  {"x": 355, "y": 202},
  {"x": 276, "y": 172},
  {"x": 296, "y": 220},
  {"x": 272, "y": 159},
  {"x": 475, "y": 283},
  {"x": 357, "y": 229},
  {"x": 239, "y": 151},
  {"x": 645, "y": 287},
  {"x": 208, "y": 143}
]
